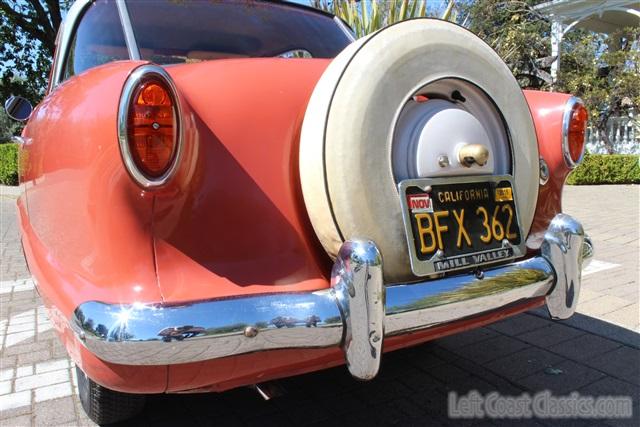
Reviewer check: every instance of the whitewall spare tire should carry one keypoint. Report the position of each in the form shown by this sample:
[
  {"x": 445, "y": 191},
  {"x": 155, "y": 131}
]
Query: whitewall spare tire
[{"x": 367, "y": 127}]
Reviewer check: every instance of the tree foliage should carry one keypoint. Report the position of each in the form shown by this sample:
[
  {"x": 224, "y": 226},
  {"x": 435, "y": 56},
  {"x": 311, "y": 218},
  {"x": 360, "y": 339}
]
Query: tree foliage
[
  {"x": 518, "y": 34},
  {"x": 28, "y": 31},
  {"x": 8, "y": 127},
  {"x": 366, "y": 17},
  {"x": 604, "y": 71},
  {"x": 601, "y": 69}
]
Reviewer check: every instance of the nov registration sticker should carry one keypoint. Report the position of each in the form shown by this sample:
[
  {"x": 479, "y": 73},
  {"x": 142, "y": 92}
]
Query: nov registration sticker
[{"x": 460, "y": 223}]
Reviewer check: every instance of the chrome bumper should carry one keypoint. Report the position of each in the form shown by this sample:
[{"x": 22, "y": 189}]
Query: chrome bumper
[{"x": 356, "y": 313}]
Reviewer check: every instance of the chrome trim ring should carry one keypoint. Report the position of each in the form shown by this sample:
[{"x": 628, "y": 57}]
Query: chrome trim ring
[
  {"x": 137, "y": 77},
  {"x": 566, "y": 119}
]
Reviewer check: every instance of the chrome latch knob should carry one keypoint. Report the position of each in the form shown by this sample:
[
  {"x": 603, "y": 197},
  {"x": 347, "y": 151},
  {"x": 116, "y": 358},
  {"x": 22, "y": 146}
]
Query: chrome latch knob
[{"x": 473, "y": 153}]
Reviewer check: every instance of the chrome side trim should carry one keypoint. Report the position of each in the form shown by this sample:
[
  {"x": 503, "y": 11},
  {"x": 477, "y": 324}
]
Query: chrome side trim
[
  {"x": 139, "y": 75},
  {"x": 359, "y": 290},
  {"x": 563, "y": 247},
  {"x": 345, "y": 28},
  {"x": 566, "y": 119},
  {"x": 127, "y": 29}
]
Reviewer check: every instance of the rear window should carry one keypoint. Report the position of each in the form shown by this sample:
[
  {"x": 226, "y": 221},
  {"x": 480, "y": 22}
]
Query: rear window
[
  {"x": 170, "y": 31},
  {"x": 98, "y": 39}
]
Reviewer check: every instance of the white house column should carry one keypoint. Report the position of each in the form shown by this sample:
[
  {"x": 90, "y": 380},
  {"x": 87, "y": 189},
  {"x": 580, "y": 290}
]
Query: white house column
[{"x": 557, "y": 32}]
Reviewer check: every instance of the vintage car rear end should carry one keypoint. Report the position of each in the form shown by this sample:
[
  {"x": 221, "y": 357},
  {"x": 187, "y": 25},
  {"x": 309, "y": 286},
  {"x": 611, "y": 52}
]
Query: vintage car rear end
[{"x": 225, "y": 204}]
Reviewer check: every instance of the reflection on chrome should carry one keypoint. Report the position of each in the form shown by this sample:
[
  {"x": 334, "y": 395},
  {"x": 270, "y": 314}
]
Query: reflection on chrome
[
  {"x": 355, "y": 314},
  {"x": 359, "y": 290},
  {"x": 564, "y": 247}
]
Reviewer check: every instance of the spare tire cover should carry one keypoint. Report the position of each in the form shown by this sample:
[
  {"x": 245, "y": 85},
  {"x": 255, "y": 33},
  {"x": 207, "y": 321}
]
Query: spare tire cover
[{"x": 347, "y": 134}]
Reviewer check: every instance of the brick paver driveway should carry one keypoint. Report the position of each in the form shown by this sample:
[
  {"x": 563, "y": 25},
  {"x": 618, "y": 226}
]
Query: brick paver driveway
[{"x": 596, "y": 353}]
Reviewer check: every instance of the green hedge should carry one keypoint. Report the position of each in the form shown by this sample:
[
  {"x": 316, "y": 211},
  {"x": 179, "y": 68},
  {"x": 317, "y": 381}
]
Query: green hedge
[
  {"x": 9, "y": 164},
  {"x": 606, "y": 169}
]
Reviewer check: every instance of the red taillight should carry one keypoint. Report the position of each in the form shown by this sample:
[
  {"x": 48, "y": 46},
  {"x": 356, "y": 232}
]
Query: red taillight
[
  {"x": 577, "y": 130},
  {"x": 152, "y": 128}
]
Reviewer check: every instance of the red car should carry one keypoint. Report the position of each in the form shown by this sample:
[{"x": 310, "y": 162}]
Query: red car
[{"x": 219, "y": 194}]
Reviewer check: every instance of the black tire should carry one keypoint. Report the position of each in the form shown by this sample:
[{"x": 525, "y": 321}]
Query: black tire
[{"x": 104, "y": 406}]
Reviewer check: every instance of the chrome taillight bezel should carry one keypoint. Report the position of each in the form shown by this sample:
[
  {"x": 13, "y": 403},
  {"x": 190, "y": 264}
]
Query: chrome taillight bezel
[
  {"x": 139, "y": 76},
  {"x": 566, "y": 121}
]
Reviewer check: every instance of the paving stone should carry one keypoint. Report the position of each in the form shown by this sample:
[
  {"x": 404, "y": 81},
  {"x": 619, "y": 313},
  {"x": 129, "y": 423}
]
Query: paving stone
[
  {"x": 55, "y": 412},
  {"x": 20, "y": 421},
  {"x": 40, "y": 380},
  {"x": 418, "y": 380},
  {"x": 306, "y": 413},
  {"x": 19, "y": 337},
  {"x": 626, "y": 316},
  {"x": 600, "y": 328},
  {"x": 407, "y": 407},
  {"x": 27, "y": 348},
  {"x": 15, "y": 400},
  {"x": 491, "y": 349},
  {"x": 523, "y": 363},
  {"x": 424, "y": 357},
  {"x": 33, "y": 357},
  {"x": 51, "y": 365},
  {"x": 584, "y": 347},
  {"x": 466, "y": 338},
  {"x": 549, "y": 335},
  {"x": 8, "y": 361},
  {"x": 7, "y": 374},
  {"x": 612, "y": 387},
  {"x": 566, "y": 377},
  {"x": 378, "y": 392},
  {"x": 603, "y": 305},
  {"x": 341, "y": 403},
  {"x": 5, "y": 387},
  {"x": 622, "y": 363},
  {"x": 51, "y": 392},
  {"x": 432, "y": 401},
  {"x": 14, "y": 413},
  {"x": 519, "y": 324},
  {"x": 23, "y": 371},
  {"x": 449, "y": 373}
]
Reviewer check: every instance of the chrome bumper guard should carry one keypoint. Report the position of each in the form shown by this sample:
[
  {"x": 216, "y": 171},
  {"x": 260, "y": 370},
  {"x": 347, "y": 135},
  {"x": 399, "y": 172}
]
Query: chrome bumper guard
[{"x": 356, "y": 313}]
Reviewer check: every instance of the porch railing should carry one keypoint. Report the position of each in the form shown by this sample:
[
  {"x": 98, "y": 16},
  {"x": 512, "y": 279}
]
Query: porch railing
[{"x": 623, "y": 133}]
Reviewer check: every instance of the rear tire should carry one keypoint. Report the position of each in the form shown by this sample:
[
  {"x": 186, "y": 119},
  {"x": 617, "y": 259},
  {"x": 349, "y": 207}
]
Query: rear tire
[{"x": 104, "y": 406}]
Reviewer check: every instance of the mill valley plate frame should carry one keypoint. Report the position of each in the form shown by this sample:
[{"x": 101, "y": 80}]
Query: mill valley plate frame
[{"x": 455, "y": 250}]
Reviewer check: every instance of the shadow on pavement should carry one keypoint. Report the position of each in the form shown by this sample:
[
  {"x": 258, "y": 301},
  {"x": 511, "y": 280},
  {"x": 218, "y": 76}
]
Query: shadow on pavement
[{"x": 524, "y": 354}]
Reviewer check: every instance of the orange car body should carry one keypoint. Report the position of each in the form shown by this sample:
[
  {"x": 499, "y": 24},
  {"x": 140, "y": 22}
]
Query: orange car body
[{"x": 232, "y": 222}]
